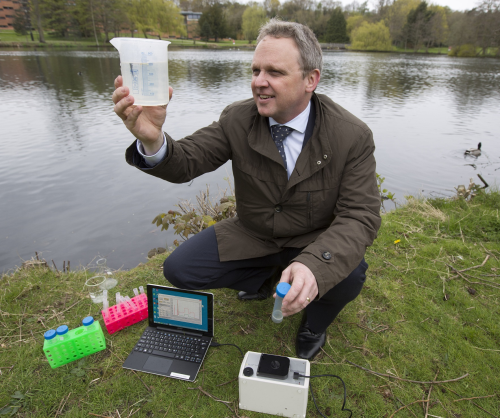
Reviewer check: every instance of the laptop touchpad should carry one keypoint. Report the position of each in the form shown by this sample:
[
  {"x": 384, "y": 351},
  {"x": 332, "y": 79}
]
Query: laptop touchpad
[{"x": 157, "y": 365}]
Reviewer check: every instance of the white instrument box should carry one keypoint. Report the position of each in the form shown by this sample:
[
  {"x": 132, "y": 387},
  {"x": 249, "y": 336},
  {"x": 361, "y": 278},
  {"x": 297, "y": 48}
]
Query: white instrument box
[{"x": 261, "y": 390}]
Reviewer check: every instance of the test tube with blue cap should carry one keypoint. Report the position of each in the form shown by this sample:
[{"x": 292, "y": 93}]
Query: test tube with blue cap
[
  {"x": 62, "y": 332},
  {"x": 281, "y": 291},
  {"x": 89, "y": 324},
  {"x": 50, "y": 338}
]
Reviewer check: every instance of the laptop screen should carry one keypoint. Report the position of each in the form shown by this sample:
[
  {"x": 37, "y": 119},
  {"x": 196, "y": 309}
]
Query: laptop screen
[{"x": 180, "y": 309}]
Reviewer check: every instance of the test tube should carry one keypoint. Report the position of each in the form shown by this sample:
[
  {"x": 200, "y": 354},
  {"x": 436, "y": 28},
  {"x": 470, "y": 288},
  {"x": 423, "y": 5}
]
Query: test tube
[
  {"x": 136, "y": 292},
  {"x": 128, "y": 303},
  {"x": 89, "y": 324},
  {"x": 141, "y": 289},
  {"x": 61, "y": 332},
  {"x": 105, "y": 303},
  {"x": 50, "y": 338},
  {"x": 118, "y": 298},
  {"x": 281, "y": 291}
]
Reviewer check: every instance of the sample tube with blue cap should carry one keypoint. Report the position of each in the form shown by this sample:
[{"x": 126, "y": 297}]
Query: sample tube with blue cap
[
  {"x": 50, "y": 338},
  {"x": 89, "y": 324},
  {"x": 62, "y": 331},
  {"x": 281, "y": 291}
]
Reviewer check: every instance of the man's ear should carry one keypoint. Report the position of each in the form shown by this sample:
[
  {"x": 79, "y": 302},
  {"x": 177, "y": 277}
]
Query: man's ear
[{"x": 312, "y": 80}]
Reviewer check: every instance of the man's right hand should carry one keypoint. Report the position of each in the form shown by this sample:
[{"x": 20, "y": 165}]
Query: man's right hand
[{"x": 144, "y": 123}]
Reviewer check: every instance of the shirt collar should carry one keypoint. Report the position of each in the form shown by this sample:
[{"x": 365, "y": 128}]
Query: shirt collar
[{"x": 299, "y": 123}]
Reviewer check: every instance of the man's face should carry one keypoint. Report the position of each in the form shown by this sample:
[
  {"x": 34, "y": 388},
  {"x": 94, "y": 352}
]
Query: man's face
[{"x": 278, "y": 87}]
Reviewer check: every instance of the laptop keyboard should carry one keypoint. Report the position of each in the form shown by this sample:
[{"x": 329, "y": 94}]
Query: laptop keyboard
[{"x": 172, "y": 345}]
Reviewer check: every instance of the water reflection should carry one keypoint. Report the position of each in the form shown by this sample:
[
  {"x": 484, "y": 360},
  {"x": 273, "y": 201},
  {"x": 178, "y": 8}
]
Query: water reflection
[{"x": 66, "y": 192}]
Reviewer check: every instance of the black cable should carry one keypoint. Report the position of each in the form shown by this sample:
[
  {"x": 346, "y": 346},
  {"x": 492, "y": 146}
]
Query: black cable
[
  {"x": 216, "y": 344},
  {"x": 296, "y": 375}
]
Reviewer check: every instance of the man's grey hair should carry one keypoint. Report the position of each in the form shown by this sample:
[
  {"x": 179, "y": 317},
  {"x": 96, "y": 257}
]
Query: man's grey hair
[{"x": 311, "y": 57}]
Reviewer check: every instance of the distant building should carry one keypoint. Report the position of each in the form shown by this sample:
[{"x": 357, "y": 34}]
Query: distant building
[
  {"x": 7, "y": 11},
  {"x": 191, "y": 21}
]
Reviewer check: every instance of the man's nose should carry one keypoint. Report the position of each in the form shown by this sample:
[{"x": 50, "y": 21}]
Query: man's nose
[{"x": 261, "y": 80}]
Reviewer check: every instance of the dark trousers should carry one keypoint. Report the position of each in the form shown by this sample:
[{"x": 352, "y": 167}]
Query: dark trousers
[{"x": 195, "y": 265}]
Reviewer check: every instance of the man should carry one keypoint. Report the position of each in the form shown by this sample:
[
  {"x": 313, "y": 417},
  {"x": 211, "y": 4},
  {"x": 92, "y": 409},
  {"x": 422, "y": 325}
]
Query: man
[{"x": 305, "y": 186}]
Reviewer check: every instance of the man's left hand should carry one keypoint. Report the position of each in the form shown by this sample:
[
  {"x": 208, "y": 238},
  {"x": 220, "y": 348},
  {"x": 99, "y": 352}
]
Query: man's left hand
[{"x": 304, "y": 288}]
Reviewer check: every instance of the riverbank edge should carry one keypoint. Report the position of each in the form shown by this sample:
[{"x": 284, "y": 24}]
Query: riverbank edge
[
  {"x": 249, "y": 47},
  {"x": 82, "y": 45}
]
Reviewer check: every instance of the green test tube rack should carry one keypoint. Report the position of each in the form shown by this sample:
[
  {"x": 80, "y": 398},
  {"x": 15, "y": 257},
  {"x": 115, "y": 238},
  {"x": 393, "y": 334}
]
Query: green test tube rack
[{"x": 66, "y": 345}]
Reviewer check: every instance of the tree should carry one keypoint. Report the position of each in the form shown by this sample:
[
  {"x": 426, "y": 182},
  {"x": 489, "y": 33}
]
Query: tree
[
  {"x": 355, "y": 7},
  {"x": 461, "y": 29},
  {"x": 57, "y": 16},
  {"x": 168, "y": 18},
  {"x": 105, "y": 11},
  {"x": 212, "y": 22},
  {"x": 233, "y": 13},
  {"x": 38, "y": 19},
  {"x": 156, "y": 16},
  {"x": 371, "y": 37},
  {"x": 22, "y": 22},
  {"x": 140, "y": 13},
  {"x": 395, "y": 16},
  {"x": 417, "y": 28},
  {"x": 438, "y": 26},
  {"x": 120, "y": 18},
  {"x": 336, "y": 29},
  {"x": 353, "y": 22},
  {"x": 253, "y": 18},
  {"x": 193, "y": 5},
  {"x": 272, "y": 7},
  {"x": 82, "y": 17},
  {"x": 486, "y": 19}
]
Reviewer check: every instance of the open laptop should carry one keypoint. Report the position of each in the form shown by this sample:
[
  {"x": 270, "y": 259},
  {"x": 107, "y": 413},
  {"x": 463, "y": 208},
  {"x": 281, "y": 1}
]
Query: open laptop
[{"x": 181, "y": 327}]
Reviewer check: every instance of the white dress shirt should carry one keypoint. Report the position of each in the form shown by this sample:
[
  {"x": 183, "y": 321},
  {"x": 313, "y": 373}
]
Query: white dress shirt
[{"x": 292, "y": 144}]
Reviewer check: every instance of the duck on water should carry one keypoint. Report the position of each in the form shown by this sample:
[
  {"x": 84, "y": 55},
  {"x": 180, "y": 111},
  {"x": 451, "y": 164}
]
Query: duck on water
[{"x": 476, "y": 152}]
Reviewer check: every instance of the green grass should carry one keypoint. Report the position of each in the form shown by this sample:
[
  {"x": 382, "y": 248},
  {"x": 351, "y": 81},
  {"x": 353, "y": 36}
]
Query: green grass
[
  {"x": 443, "y": 50},
  {"x": 415, "y": 319},
  {"x": 51, "y": 39},
  {"x": 9, "y": 37},
  {"x": 490, "y": 52}
]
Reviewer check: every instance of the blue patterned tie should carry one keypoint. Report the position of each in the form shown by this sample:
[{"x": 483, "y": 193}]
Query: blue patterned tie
[{"x": 279, "y": 134}]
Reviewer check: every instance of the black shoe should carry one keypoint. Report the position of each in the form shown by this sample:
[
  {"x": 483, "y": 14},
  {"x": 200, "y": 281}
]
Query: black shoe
[
  {"x": 265, "y": 291},
  {"x": 308, "y": 343},
  {"x": 260, "y": 295}
]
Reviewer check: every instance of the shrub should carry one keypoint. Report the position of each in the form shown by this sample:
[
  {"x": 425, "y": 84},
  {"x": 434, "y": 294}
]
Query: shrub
[
  {"x": 467, "y": 50},
  {"x": 371, "y": 37}
]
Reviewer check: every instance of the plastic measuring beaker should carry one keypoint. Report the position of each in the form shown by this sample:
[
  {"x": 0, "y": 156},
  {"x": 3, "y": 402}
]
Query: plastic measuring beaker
[
  {"x": 281, "y": 291},
  {"x": 144, "y": 65}
]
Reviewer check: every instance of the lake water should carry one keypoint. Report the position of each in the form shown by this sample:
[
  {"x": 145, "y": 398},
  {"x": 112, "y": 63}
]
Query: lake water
[{"x": 67, "y": 192}]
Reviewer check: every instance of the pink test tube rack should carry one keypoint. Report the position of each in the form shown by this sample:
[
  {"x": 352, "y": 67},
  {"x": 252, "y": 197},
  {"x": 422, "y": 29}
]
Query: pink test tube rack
[{"x": 117, "y": 317}]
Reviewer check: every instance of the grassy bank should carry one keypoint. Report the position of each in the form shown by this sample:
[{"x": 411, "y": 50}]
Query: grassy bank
[
  {"x": 428, "y": 313},
  {"x": 11, "y": 39}
]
